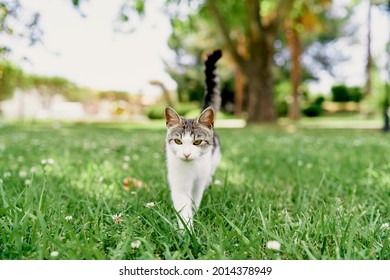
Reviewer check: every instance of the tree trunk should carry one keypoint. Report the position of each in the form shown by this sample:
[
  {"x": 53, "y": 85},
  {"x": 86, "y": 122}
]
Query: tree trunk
[
  {"x": 261, "y": 106},
  {"x": 260, "y": 94},
  {"x": 238, "y": 92},
  {"x": 258, "y": 66},
  {"x": 368, "y": 86},
  {"x": 294, "y": 45}
]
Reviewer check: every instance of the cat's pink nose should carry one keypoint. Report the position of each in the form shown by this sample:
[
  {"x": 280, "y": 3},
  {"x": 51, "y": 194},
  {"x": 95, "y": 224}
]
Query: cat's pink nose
[{"x": 186, "y": 155}]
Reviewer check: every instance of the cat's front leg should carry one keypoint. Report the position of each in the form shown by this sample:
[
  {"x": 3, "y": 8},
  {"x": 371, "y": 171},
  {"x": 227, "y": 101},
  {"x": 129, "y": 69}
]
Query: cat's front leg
[
  {"x": 183, "y": 205},
  {"x": 198, "y": 191}
]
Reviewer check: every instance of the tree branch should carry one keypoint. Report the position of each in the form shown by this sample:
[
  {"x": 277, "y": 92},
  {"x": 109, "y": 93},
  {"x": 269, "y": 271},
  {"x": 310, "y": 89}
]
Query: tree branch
[
  {"x": 255, "y": 27},
  {"x": 225, "y": 32},
  {"x": 283, "y": 8}
]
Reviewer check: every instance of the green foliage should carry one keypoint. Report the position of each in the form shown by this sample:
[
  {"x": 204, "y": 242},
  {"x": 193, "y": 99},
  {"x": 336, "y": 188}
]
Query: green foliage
[
  {"x": 157, "y": 111},
  {"x": 191, "y": 38},
  {"x": 198, "y": 31},
  {"x": 194, "y": 113},
  {"x": 314, "y": 109},
  {"x": 114, "y": 95},
  {"x": 342, "y": 93},
  {"x": 49, "y": 86},
  {"x": 190, "y": 85},
  {"x": 76, "y": 2},
  {"x": 15, "y": 21},
  {"x": 183, "y": 108},
  {"x": 319, "y": 100},
  {"x": 318, "y": 199},
  {"x": 11, "y": 77},
  {"x": 282, "y": 95},
  {"x": 355, "y": 94}
]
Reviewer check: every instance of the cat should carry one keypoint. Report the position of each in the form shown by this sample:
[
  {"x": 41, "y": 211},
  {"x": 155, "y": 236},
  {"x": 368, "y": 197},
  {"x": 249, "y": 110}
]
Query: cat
[{"x": 193, "y": 149}]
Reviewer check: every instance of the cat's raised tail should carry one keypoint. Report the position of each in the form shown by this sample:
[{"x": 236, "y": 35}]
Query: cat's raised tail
[{"x": 212, "y": 96}]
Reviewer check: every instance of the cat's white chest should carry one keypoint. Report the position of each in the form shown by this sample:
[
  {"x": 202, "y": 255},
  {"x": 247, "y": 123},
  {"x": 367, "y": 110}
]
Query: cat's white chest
[{"x": 188, "y": 171}]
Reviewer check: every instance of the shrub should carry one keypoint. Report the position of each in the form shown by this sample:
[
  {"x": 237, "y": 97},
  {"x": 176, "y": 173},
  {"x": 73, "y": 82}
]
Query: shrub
[
  {"x": 282, "y": 95},
  {"x": 313, "y": 110},
  {"x": 340, "y": 93},
  {"x": 183, "y": 108},
  {"x": 355, "y": 94},
  {"x": 157, "y": 111},
  {"x": 319, "y": 100}
]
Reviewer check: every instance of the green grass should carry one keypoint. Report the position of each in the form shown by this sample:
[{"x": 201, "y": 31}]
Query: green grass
[{"x": 323, "y": 194}]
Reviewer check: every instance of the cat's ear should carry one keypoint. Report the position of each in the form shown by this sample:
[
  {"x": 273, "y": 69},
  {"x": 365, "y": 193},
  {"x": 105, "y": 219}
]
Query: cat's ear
[
  {"x": 172, "y": 118},
  {"x": 206, "y": 118}
]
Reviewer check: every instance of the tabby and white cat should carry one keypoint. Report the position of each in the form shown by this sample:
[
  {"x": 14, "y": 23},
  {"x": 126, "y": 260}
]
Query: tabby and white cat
[{"x": 192, "y": 149}]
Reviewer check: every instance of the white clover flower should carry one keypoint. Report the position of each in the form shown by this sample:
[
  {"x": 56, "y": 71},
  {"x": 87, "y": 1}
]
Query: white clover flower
[
  {"x": 22, "y": 174},
  {"x": 27, "y": 182},
  {"x": 149, "y": 204},
  {"x": 273, "y": 245},
  {"x": 217, "y": 182},
  {"x": 68, "y": 218},
  {"x": 125, "y": 165},
  {"x": 135, "y": 244},
  {"x": 50, "y": 161},
  {"x": 117, "y": 218},
  {"x": 54, "y": 254},
  {"x": 34, "y": 169},
  {"x": 126, "y": 158},
  {"x": 7, "y": 174},
  {"x": 385, "y": 226},
  {"x": 43, "y": 161},
  {"x": 357, "y": 142}
]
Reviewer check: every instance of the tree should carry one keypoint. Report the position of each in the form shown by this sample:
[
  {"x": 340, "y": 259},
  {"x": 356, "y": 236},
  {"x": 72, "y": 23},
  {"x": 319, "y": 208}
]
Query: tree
[
  {"x": 11, "y": 77},
  {"x": 305, "y": 18},
  {"x": 247, "y": 31},
  {"x": 48, "y": 87},
  {"x": 258, "y": 21},
  {"x": 368, "y": 85},
  {"x": 16, "y": 21},
  {"x": 383, "y": 5},
  {"x": 261, "y": 22}
]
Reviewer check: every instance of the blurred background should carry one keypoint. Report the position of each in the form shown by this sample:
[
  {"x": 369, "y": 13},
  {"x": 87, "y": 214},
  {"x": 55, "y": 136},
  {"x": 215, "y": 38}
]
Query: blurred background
[{"x": 315, "y": 62}]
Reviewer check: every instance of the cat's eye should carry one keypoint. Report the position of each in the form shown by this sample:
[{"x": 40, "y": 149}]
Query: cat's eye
[
  {"x": 197, "y": 142},
  {"x": 178, "y": 141}
]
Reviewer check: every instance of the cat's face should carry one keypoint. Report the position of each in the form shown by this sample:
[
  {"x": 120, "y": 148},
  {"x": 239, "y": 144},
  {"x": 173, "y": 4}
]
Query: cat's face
[{"x": 189, "y": 139}]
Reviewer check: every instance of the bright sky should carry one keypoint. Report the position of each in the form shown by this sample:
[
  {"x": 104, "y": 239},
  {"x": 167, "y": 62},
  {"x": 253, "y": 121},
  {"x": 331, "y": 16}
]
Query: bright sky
[
  {"x": 352, "y": 72},
  {"x": 89, "y": 52}
]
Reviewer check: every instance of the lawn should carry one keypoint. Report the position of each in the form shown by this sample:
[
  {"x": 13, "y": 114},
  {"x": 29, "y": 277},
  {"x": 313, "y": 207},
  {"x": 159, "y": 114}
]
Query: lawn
[{"x": 322, "y": 194}]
